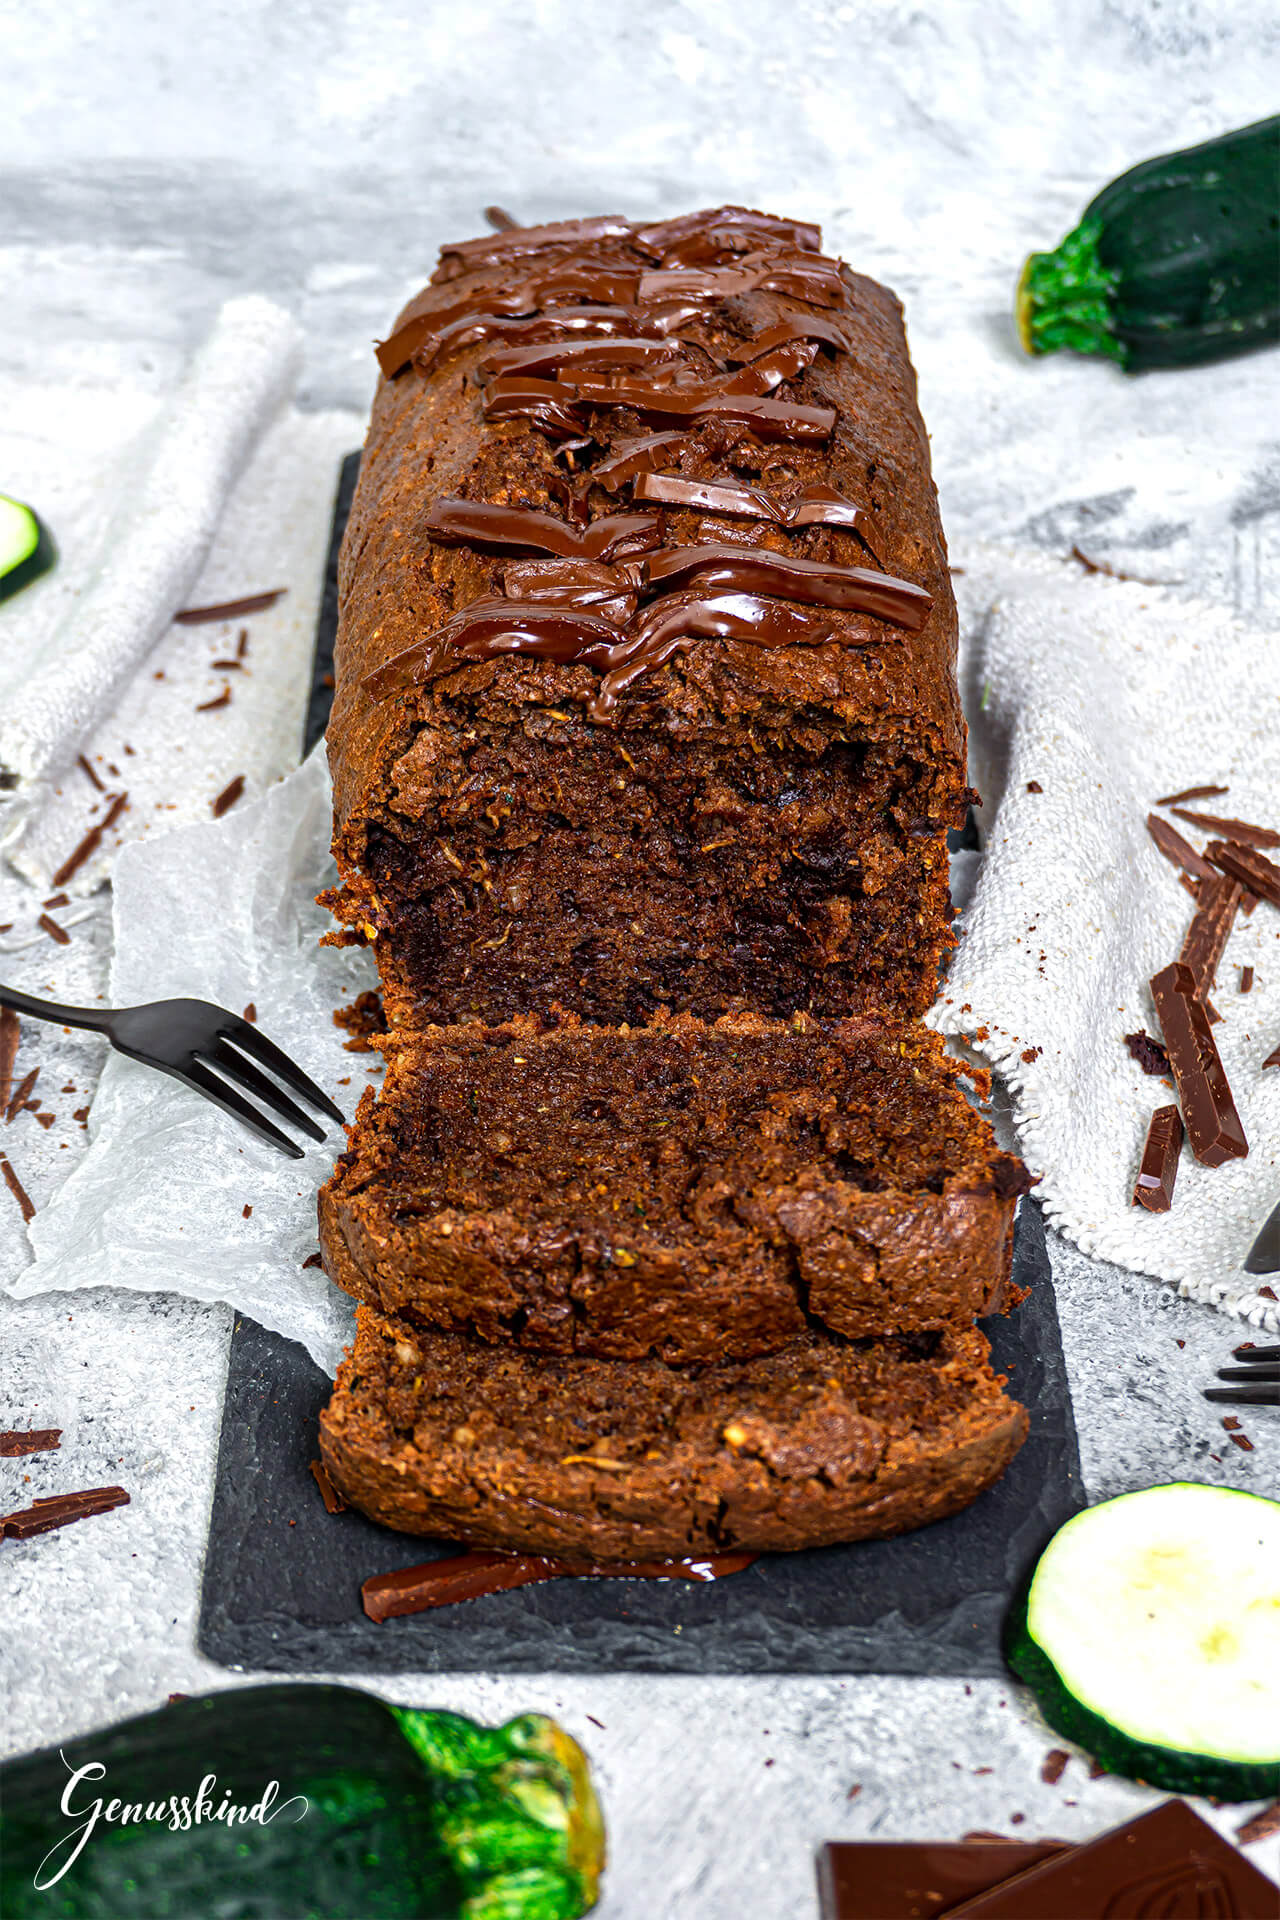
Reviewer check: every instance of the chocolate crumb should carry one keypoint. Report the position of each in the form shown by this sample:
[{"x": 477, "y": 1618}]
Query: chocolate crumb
[
  {"x": 1054, "y": 1765},
  {"x": 56, "y": 900},
  {"x": 246, "y": 1211},
  {"x": 333, "y": 1500},
  {"x": 854, "y": 1790},
  {"x": 175, "y": 1699},
  {"x": 38, "y": 1440},
  {"x": 1016, "y": 1819},
  {"x": 1231, "y": 1423},
  {"x": 228, "y": 797},
  {"x": 251, "y": 1014},
  {"x": 46, "y": 1120},
  {"x": 82, "y": 1115},
  {"x": 226, "y": 666},
  {"x": 1179, "y": 1343},
  {"x": 1031, "y": 1053},
  {"x": 242, "y": 643},
  {"x": 1261, "y": 1826},
  {"x": 1242, "y": 1441},
  {"x": 1246, "y": 979},
  {"x": 54, "y": 931},
  {"x": 229, "y": 609},
  {"x": 81, "y": 761},
  {"x": 1148, "y": 1053},
  {"x": 211, "y": 706},
  {"x": 1033, "y": 786},
  {"x": 1268, "y": 1293},
  {"x": 313, "y": 1260}
]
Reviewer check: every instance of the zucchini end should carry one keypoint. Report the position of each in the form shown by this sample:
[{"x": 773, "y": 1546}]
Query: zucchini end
[
  {"x": 1064, "y": 299},
  {"x": 26, "y": 546}
]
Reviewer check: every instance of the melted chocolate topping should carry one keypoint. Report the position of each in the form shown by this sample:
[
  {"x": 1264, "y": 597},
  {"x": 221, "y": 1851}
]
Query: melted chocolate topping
[
  {"x": 552, "y": 355},
  {"x": 814, "y": 505},
  {"x": 665, "y": 239},
  {"x": 812, "y": 278},
  {"x": 636, "y": 457},
  {"x": 612, "y": 592},
  {"x": 514, "y": 243},
  {"x": 549, "y": 404},
  {"x": 469, "y": 1576},
  {"x": 480, "y": 523},
  {"x": 817, "y": 582},
  {"x": 814, "y": 326}
]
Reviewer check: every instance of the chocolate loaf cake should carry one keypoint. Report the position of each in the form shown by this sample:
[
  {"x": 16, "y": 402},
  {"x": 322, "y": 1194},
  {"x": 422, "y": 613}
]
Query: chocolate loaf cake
[
  {"x": 823, "y": 1441},
  {"x": 680, "y": 1190},
  {"x": 645, "y": 693}
]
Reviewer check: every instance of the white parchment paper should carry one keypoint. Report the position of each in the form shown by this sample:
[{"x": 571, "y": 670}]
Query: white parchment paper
[{"x": 222, "y": 911}]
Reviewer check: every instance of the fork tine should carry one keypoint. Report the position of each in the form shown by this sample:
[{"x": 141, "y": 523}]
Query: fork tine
[
  {"x": 268, "y": 1054},
  {"x": 1269, "y": 1370},
  {"x": 1254, "y": 1354},
  {"x": 246, "y": 1075},
  {"x": 197, "y": 1075},
  {"x": 1244, "y": 1396}
]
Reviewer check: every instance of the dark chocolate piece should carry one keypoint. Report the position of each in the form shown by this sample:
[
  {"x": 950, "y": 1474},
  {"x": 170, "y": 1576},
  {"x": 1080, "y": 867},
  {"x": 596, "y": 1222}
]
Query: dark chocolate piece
[
  {"x": 515, "y": 243},
  {"x": 1190, "y": 793},
  {"x": 1246, "y": 979},
  {"x": 499, "y": 219},
  {"x": 93, "y": 778},
  {"x": 91, "y": 842},
  {"x": 918, "y": 1879},
  {"x": 637, "y": 457},
  {"x": 573, "y": 583},
  {"x": 230, "y": 609},
  {"x": 1211, "y": 925},
  {"x": 228, "y": 797},
  {"x": 54, "y": 931},
  {"x": 10, "y": 1034},
  {"x": 1233, "y": 829},
  {"x": 1245, "y": 864},
  {"x": 818, "y": 582},
  {"x": 14, "y": 1446},
  {"x": 1176, "y": 849},
  {"x": 20, "y": 1097},
  {"x": 1148, "y": 1053},
  {"x": 1160, "y": 1156},
  {"x": 1261, "y": 1827},
  {"x": 1208, "y": 1110},
  {"x": 1054, "y": 1765},
  {"x": 17, "y": 1189},
  {"x": 42, "y": 1516},
  {"x": 469, "y": 1576},
  {"x": 770, "y": 370},
  {"x": 212, "y": 706},
  {"x": 1168, "y": 1862},
  {"x": 333, "y": 1500},
  {"x": 478, "y": 523}
]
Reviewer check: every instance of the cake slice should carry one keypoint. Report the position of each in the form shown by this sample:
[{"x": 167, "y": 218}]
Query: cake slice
[
  {"x": 680, "y": 1190},
  {"x": 822, "y": 1441}
]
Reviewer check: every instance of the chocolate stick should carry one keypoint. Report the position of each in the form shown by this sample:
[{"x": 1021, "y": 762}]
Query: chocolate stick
[
  {"x": 1176, "y": 849},
  {"x": 469, "y": 1576},
  {"x": 1232, "y": 829},
  {"x": 42, "y": 1516},
  {"x": 1160, "y": 1156},
  {"x": 1245, "y": 864},
  {"x": 1210, "y": 927},
  {"x": 14, "y": 1445},
  {"x": 1208, "y": 1110}
]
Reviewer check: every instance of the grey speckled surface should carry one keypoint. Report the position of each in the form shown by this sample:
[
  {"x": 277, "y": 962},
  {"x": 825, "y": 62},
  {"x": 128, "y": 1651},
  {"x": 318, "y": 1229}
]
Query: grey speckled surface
[{"x": 152, "y": 162}]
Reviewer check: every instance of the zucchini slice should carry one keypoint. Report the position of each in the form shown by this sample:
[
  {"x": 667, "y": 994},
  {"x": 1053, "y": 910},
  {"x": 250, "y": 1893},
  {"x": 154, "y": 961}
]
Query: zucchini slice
[
  {"x": 1150, "y": 1634},
  {"x": 26, "y": 548},
  {"x": 1173, "y": 264}
]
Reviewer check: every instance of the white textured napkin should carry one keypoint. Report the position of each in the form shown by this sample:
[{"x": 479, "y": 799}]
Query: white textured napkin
[
  {"x": 1105, "y": 695},
  {"x": 166, "y": 500}
]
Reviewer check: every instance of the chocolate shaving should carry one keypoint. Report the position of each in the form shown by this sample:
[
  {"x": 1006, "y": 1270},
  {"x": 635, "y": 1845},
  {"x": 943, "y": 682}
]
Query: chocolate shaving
[
  {"x": 14, "y": 1446},
  {"x": 1245, "y": 864},
  {"x": 1233, "y": 829},
  {"x": 1160, "y": 1156},
  {"x": 1210, "y": 928},
  {"x": 333, "y": 1500},
  {"x": 1177, "y": 850},
  {"x": 42, "y": 1516},
  {"x": 19, "y": 1099},
  {"x": 1148, "y": 1053},
  {"x": 1054, "y": 1765},
  {"x": 1208, "y": 1110},
  {"x": 56, "y": 900},
  {"x": 91, "y": 842},
  {"x": 1190, "y": 793},
  {"x": 54, "y": 931},
  {"x": 228, "y": 797},
  {"x": 1261, "y": 1826},
  {"x": 230, "y": 609},
  {"x": 1273, "y": 1058},
  {"x": 242, "y": 643},
  {"x": 499, "y": 219},
  {"x": 10, "y": 1034},
  {"x": 1246, "y": 979},
  {"x": 81, "y": 761},
  {"x": 479, "y": 523},
  {"x": 17, "y": 1189},
  {"x": 211, "y": 706},
  {"x": 469, "y": 1576}
]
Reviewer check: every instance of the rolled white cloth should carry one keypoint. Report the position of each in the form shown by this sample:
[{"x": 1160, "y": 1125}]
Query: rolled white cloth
[{"x": 155, "y": 550}]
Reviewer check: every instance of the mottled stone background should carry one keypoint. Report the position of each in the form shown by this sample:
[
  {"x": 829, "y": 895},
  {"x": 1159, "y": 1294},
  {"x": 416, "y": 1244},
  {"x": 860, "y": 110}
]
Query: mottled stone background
[{"x": 154, "y": 159}]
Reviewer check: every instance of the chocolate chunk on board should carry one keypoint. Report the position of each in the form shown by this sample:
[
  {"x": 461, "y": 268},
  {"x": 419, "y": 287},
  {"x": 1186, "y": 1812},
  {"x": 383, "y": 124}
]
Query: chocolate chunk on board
[
  {"x": 1208, "y": 1110},
  {"x": 1160, "y": 1156},
  {"x": 915, "y": 1879},
  {"x": 1168, "y": 1861},
  {"x": 1245, "y": 864}
]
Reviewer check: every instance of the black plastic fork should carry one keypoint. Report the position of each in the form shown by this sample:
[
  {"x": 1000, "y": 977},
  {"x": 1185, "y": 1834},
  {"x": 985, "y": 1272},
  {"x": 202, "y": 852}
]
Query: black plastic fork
[
  {"x": 1255, "y": 1384},
  {"x": 205, "y": 1047}
]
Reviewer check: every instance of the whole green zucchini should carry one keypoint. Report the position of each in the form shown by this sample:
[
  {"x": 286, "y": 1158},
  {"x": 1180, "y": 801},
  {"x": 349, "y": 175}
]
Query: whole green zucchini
[
  {"x": 1174, "y": 263},
  {"x": 349, "y": 1809}
]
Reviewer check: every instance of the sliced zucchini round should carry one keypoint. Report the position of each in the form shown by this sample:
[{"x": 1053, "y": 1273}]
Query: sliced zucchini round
[
  {"x": 1150, "y": 1634},
  {"x": 26, "y": 548}
]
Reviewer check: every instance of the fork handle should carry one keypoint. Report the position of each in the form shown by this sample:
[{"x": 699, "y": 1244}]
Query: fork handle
[{"x": 97, "y": 1019}]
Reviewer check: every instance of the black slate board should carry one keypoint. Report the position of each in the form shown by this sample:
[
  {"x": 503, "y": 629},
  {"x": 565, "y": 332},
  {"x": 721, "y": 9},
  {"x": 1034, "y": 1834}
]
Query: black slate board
[{"x": 282, "y": 1576}]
